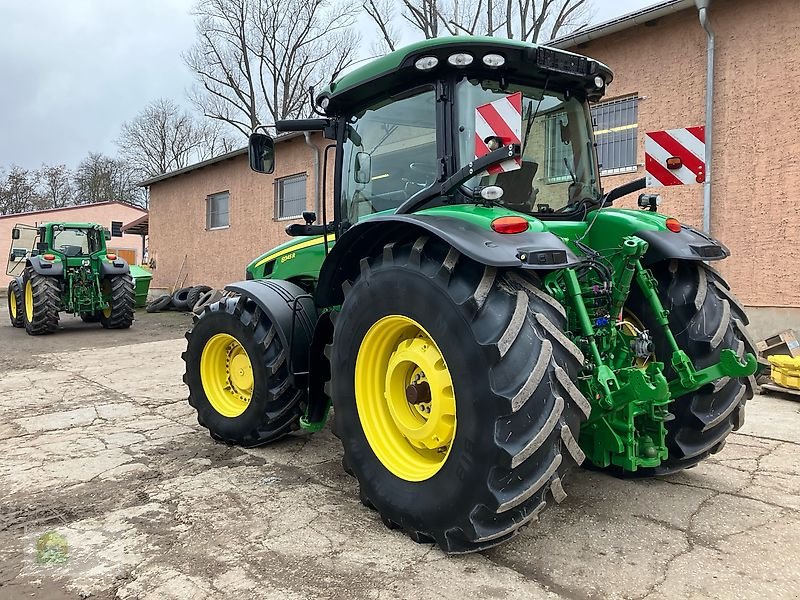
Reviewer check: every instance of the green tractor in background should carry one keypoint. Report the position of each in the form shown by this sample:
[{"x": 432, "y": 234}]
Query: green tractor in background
[
  {"x": 65, "y": 267},
  {"x": 477, "y": 315}
]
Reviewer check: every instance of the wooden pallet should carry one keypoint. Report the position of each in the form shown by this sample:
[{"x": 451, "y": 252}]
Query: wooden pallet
[{"x": 771, "y": 387}]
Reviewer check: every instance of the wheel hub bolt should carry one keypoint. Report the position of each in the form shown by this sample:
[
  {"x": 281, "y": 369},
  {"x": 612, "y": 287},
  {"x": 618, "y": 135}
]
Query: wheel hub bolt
[{"x": 418, "y": 393}]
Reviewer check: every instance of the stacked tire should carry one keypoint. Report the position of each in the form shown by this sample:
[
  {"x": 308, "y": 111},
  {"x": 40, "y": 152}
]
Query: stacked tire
[{"x": 192, "y": 298}]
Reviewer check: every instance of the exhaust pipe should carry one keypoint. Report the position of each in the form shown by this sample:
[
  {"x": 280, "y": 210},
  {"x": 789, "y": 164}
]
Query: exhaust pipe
[{"x": 702, "y": 9}]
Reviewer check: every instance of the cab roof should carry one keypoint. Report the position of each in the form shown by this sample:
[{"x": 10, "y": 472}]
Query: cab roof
[{"x": 524, "y": 62}]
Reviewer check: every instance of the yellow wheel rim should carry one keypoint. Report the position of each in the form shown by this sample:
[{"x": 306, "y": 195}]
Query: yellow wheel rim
[
  {"x": 227, "y": 375},
  {"x": 107, "y": 311},
  {"x": 405, "y": 398},
  {"x": 28, "y": 301},
  {"x": 12, "y": 303}
]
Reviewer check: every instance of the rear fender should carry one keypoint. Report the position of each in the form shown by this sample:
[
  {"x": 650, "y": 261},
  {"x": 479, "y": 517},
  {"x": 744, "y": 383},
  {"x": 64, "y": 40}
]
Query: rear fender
[
  {"x": 687, "y": 244},
  {"x": 528, "y": 250},
  {"x": 45, "y": 267},
  {"x": 278, "y": 298},
  {"x": 113, "y": 268}
]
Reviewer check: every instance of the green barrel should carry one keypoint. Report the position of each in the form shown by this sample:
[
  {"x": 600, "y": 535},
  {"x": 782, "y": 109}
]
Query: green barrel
[{"x": 141, "y": 284}]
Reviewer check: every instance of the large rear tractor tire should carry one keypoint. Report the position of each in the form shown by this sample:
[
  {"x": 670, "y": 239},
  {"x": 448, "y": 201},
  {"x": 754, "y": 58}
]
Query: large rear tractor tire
[
  {"x": 121, "y": 300},
  {"x": 705, "y": 318},
  {"x": 453, "y": 393},
  {"x": 16, "y": 304},
  {"x": 238, "y": 375},
  {"x": 42, "y": 301}
]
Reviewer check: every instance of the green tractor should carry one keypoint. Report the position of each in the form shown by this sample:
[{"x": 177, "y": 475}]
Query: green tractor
[
  {"x": 66, "y": 267},
  {"x": 479, "y": 317}
]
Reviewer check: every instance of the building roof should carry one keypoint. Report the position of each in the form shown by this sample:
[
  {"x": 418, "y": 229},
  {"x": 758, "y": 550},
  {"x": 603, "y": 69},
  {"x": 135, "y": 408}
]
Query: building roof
[
  {"x": 76, "y": 207},
  {"x": 633, "y": 19},
  {"x": 140, "y": 226},
  {"x": 211, "y": 161}
]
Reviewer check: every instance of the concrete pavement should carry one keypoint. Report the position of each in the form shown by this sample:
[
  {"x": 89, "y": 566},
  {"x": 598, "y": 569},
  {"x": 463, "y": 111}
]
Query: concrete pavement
[{"x": 101, "y": 448}]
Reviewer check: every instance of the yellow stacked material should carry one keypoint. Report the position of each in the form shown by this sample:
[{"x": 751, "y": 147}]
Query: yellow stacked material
[{"x": 785, "y": 370}]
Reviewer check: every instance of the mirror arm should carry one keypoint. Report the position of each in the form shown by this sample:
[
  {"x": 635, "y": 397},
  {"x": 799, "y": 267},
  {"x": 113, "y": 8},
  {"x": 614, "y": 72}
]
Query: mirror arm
[{"x": 460, "y": 177}]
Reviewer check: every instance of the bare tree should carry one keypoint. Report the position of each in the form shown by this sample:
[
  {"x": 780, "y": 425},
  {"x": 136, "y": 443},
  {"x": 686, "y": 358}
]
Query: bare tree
[
  {"x": 382, "y": 12},
  {"x": 160, "y": 139},
  {"x": 529, "y": 20},
  {"x": 255, "y": 59},
  {"x": 55, "y": 186},
  {"x": 18, "y": 191},
  {"x": 100, "y": 178}
]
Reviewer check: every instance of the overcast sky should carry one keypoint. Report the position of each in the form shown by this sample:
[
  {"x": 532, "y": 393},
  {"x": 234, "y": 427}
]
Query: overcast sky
[{"x": 73, "y": 70}]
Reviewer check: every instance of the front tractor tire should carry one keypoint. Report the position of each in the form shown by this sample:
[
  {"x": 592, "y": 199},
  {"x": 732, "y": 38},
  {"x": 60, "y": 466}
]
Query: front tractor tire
[
  {"x": 16, "y": 304},
  {"x": 41, "y": 301},
  {"x": 238, "y": 375},
  {"x": 119, "y": 292},
  {"x": 705, "y": 318},
  {"x": 453, "y": 394}
]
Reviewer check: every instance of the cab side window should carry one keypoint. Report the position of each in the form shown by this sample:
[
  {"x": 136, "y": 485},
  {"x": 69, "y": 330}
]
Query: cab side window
[{"x": 389, "y": 154}]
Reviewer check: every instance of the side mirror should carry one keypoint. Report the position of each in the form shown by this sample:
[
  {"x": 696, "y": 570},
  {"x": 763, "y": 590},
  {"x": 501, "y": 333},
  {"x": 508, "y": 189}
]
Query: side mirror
[
  {"x": 261, "y": 151},
  {"x": 15, "y": 233},
  {"x": 106, "y": 234},
  {"x": 363, "y": 167}
]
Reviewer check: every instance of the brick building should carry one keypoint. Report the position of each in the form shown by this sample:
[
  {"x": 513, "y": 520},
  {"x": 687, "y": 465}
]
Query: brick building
[
  {"x": 128, "y": 247},
  {"x": 219, "y": 215}
]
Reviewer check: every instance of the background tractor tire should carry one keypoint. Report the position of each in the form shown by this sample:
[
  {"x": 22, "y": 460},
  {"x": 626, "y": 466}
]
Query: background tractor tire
[
  {"x": 273, "y": 408},
  {"x": 180, "y": 298},
  {"x": 159, "y": 304},
  {"x": 91, "y": 317},
  {"x": 121, "y": 300},
  {"x": 517, "y": 410},
  {"x": 41, "y": 302},
  {"x": 705, "y": 318},
  {"x": 194, "y": 295},
  {"x": 16, "y": 304},
  {"x": 206, "y": 299}
]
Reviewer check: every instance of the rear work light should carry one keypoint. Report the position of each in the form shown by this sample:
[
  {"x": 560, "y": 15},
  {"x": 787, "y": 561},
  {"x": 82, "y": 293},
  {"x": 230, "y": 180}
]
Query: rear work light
[
  {"x": 673, "y": 225},
  {"x": 510, "y": 225},
  {"x": 111, "y": 256},
  {"x": 426, "y": 63}
]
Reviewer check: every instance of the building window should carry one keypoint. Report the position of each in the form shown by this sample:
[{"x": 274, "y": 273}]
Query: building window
[
  {"x": 217, "y": 216},
  {"x": 290, "y": 197},
  {"x": 616, "y": 128}
]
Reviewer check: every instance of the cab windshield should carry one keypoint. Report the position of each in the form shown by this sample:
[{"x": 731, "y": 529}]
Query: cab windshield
[
  {"x": 558, "y": 170},
  {"x": 75, "y": 241}
]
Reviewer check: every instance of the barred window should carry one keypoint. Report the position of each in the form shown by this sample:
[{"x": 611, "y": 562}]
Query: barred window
[
  {"x": 290, "y": 197},
  {"x": 616, "y": 129},
  {"x": 217, "y": 211}
]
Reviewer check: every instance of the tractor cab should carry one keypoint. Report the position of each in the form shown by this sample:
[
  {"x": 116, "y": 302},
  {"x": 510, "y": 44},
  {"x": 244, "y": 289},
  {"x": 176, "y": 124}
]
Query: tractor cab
[{"x": 397, "y": 143}]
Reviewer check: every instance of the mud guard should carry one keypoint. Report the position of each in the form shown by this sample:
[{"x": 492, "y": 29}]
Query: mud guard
[
  {"x": 293, "y": 314},
  {"x": 688, "y": 244},
  {"x": 528, "y": 250},
  {"x": 45, "y": 267},
  {"x": 114, "y": 267}
]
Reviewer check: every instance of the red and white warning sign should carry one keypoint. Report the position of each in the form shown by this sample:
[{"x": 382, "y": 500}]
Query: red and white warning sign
[
  {"x": 499, "y": 123},
  {"x": 675, "y": 156}
]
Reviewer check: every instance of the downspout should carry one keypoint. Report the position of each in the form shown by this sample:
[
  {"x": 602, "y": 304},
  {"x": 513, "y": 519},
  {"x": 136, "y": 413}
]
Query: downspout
[
  {"x": 307, "y": 136},
  {"x": 702, "y": 9}
]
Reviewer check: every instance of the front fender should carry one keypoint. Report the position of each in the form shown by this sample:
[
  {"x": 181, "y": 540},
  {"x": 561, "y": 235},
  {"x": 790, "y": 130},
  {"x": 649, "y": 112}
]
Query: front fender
[
  {"x": 288, "y": 308},
  {"x": 531, "y": 250},
  {"x": 45, "y": 267}
]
